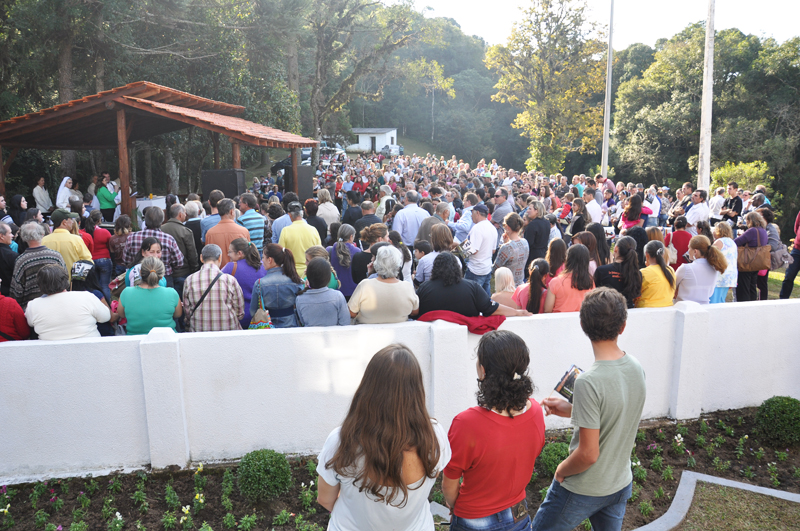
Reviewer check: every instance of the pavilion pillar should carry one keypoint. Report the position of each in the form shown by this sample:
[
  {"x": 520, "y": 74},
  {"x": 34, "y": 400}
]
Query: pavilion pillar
[
  {"x": 237, "y": 155},
  {"x": 124, "y": 162},
  {"x": 215, "y": 141},
  {"x": 2, "y": 174},
  {"x": 295, "y": 164}
]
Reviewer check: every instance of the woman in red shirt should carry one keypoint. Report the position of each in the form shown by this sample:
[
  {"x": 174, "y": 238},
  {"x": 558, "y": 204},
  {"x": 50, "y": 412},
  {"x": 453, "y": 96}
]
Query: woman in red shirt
[
  {"x": 495, "y": 445},
  {"x": 679, "y": 238},
  {"x": 101, "y": 256}
]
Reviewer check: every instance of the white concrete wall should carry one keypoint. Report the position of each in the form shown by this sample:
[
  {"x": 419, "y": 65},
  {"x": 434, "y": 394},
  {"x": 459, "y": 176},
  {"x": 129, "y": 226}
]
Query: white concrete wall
[{"x": 78, "y": 406}]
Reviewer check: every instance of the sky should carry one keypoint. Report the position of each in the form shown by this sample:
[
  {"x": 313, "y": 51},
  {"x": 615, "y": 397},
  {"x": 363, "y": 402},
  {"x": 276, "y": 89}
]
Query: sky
[{"x": 642, "y": 21}]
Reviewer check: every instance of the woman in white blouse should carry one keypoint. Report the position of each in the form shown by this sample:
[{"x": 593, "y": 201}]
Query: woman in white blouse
[
  {"x": 697, "y": 280},
  {"x": 377, "y": 469},
  {"x": 42, "y": 198}
]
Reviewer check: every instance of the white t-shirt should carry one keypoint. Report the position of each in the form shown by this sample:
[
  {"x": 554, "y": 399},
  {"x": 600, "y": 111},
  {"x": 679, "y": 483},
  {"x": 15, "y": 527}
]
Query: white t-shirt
[
  {"x": 66, "y": 315},
  {"x": 483, "y": 242},
  {"x": 698, "y": 212},
  {"x": 356, "y": 511},
  {"x": 595, "y": 211}
]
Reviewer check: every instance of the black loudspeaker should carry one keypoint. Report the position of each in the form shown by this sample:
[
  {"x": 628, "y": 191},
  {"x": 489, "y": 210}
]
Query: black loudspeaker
[
  {"x": 229, "y": 182},
  {"x": 305, "y": 182}
]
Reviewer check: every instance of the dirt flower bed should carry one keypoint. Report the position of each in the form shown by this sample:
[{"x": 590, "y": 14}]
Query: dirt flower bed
[{"x": 207, "y": 498}]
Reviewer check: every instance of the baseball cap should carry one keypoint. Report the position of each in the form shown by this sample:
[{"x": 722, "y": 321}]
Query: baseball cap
[
  {"x": 294, "y": 206},
  {"x": 60, "y": 214},
  {"x": 665, "y": 188},
  {"x": 483, "y": 209}
]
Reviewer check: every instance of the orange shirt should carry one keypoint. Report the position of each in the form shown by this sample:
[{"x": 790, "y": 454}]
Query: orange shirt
[
  {"x": 568, "y": 299},
  {"x": 222, "y": 234}
]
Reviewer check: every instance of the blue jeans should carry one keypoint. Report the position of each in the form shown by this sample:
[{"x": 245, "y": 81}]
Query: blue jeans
[
  {"x": 502, "y": 521},
  {"x": 791, "y": 273},
  {"x": 563, "y": 510},
  {"x": 104, "y": 268},
  {"x": 484, "y": 281}
]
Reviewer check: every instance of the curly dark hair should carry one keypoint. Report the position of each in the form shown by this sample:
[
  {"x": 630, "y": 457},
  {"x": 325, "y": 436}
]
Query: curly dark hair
[
  {"x": 505, "y": 358},
  {"x": 446, "y": 268}
]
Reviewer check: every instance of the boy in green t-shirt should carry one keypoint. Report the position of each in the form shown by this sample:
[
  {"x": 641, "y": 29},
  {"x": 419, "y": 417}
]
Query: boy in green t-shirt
[{"x": 594, "y": 482}]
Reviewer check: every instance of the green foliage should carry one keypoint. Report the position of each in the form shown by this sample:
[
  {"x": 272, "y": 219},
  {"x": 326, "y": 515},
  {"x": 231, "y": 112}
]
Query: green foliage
[
  {"x": 691, "y": 462},
  {"x": 247, "y": 523},
  {"x": 659, "y": 493},
  {"x": 92, "y": 487},
  {"x": 660, "y": 436},
  {"x": 311, "y": 466},
  {"x": 778, "y": 421},
  {"x": 438, "y": 496},
  {"x": 772, "y": 470},
  {"x": 84, "y": 501},
  {"x": 636, "y": 491},
  {"x": 58, "y": 504},
  {"x": 747, "y": 175},
  {"x": 718, "y": 441},
  {"x": 229, "y": 520},
  {"x": 552, "y": 455},
  {"x": 108, "y": 508},
  {"x": 115, "y": 485},
  {"x": 759, "y": 454},
  {"x": 307, "y": 497},
  {"x": 78, "y": 515},
  {"x": 657, "y": 464},
  {"x": 139, "y": 497},
  {"x": 284, "y": 517},
  {"x": 551, "y": 68},
  {"x": 50, "y": 527},
  {"x": 79, "y": 526},
  {"x": 169, "y": 520},
  {"x": 64, "y": 484},
  {"x": 116, "y": 524},
  {"x": 40, "y": 518},
  {"x": 748, "y": 472},
  {"x": 703, "y": 427},
  {"x": 171, "y": 498},
  {"x": 543, "y": 492},
  {"x": 264, "y": 474},
  {"x": 227, "y": 482},
  {"x": 700, "y": 441},
  {"x": 667, "y": 474},
  {"x": 720, "y": 465},
  {"x": 587, "y": 525},
  {"x": 641, "y": 436},
  {"x": 205, "y": 527},
  {"x": 796, "y": 472},
  {"x": 682, "y": 430},
  {"x": 646, "y": 508},
  {"x": 640, "y": 474}
]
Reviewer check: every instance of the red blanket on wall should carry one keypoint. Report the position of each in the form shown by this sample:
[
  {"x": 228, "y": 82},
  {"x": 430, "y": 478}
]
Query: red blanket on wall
[{"x": 476, "y": 325}]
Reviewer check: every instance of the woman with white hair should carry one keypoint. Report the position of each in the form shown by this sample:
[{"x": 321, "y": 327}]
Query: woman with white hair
[
  {"x": 327, "y": 210},
  {"x": 384, "y": 299}
]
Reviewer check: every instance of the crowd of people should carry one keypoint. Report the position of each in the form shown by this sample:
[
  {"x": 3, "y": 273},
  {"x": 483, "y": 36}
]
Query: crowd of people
[{"x": 381, "y": 241}]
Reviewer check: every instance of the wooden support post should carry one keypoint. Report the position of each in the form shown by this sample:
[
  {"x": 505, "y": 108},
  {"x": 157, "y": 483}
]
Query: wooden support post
[
  {"x": 295, "y": 164},
  {"x": 2, "y": 174},
  {"x": 215, "y": 141},
  {"x": 10, "y": 160},
  {"x": 237, "y": 156},
  {"x": 124, "y": 163}
]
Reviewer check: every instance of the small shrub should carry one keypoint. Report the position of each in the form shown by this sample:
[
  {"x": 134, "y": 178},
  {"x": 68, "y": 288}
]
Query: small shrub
[
  {"x": 660, "y": 435},
  {"x": 92, "y": 487},
  {"x": 646, "y": 508},
  {"x": 683, "y": 431},
  {"x": 720, "y": 465},
  {"x": 311, "y": 466},
  {"x": 659, "y": 493},
  {"x": 78, "y": 515},
  {"x": 108, "y": 509},
  {"x": 79, "y": 526},
  {"x": 640, "y": 436},
  {"x": 778, "y": 421},
  {"x": 781, "y": 456},
  {"x": 703, "y": 427},
  {"x": 748, "y": 472},
  {"x": 552, "y": 455},
  {"x": 543, "y": 492},
  {"x": 700, "y": 441},
  {"x": 534, "y": 476},
  {"x": 229, "y": 521},
  {"x": 171, "y": 497},
  {"x": 640, "y": 474},
  {"x": 691, "y": 462},
  {"x": 796, "y": 472},
  {"x": 84, "y": 501},
  {"x": 50, "y": 527},
  {"x": 264, "y": 474},
  {"x": 436, "y": 495},
  {"x": 636, "y": 491},
  {"x": 115, "y": 485},
  {"x": 227, "y": 483},
  {"x": 657, "y": 464},
  {"x": 284, "y": 517},
  {"x": 169, "y": 520},
  {"x": 587, "y": 525},
  {"x": 247, "y": 523},
  {"x": 205, "y": 527},
  {"x": 759, "y": 454},
  {"x": 667, "y": 474},
  {"x": 40, "y": 518},
  {"x": 718, "y": 441}
]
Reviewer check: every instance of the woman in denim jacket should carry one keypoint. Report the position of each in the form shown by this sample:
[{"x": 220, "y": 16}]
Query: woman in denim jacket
[{"x": 279, "y": 287}]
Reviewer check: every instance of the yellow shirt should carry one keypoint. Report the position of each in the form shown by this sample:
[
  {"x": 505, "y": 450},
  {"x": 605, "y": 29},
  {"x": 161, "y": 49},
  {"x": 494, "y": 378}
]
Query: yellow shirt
[
  {"x": 298, "y": 237},
  {"x": 69, "y": 245},
  {"x": 656, "y": 291}
]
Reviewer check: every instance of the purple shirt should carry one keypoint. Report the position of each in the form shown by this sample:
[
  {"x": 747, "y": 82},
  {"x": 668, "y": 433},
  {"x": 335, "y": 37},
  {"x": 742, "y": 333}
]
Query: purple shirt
[
  {"x": 246, "y": 276},
  {"x": 345, "y": 275},
  {"x": 753, "y": 237}
]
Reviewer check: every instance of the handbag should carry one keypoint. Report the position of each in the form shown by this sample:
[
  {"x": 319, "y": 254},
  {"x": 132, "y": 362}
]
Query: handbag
[
  {"x": 117, "y": 285},
  {"x": 202, "y": 297},
  {"x": 261, "y": 319},
  {"x": 780, "y": 258},
  {"x": 672, "y": 252},
  {"x": 754, "y": 258}
]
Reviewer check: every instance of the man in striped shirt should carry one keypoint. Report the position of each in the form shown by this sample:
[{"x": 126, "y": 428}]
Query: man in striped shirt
[
  {"x": 24, "y": 286},
  {"x": 251, "y": 220},
  {"x": 223, "y": 307}
]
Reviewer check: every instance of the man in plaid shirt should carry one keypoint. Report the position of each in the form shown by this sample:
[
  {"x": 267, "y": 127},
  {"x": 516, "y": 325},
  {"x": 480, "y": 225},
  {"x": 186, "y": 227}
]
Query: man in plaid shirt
[
  {"x": 171, "y": 255},
  {"x": 223, "y": 307}
]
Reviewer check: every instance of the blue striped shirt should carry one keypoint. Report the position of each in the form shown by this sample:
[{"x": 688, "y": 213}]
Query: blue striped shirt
[{"x": 254, "y": 223}]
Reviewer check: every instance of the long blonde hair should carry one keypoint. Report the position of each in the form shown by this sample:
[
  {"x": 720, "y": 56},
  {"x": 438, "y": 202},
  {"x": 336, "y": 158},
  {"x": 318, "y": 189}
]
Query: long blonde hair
[{"x": 716, "y": 259}]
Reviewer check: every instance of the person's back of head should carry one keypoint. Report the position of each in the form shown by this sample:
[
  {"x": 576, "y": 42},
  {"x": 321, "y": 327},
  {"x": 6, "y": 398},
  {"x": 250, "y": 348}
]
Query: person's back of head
[
  {"x": 288, "y": 197},
  {"x": 215, "y": 197},
  {"x": 656, "y": 251},
  {"x": 192, "y": 209},
  {"x": 318, "y": 273},
  {"x": 387, "y": 416},
  {"x": 52, "y": 279},
  {"x": 367, "y": 207},
  {"x": 249, "y": 200},
  {"x": 153, "y": 218},
  {"x": 311, "y": 206},
  {"x": 192, "y": 197},
  {"x": 176, "y": 210},
  {"x": 211, "y": 253},
  {"x": 31, "y": 231},
  {"x": 504, "y": 358},
  {"x": 504, "y": 280},
  {"x": 603, "y": 314},
  {"x": 152, "y": 271},
  {"x": 225, "y": 207},
  {"x": 122, "y": 225}
]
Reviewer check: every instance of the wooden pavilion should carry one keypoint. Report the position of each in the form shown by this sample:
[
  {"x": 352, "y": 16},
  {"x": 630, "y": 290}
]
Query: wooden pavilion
[{"x": 114, "y": 118}]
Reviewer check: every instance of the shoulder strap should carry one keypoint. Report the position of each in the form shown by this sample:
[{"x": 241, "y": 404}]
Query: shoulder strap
[
  {"x": 6, "y": 336},
  {"x": 203, "y": 297}
]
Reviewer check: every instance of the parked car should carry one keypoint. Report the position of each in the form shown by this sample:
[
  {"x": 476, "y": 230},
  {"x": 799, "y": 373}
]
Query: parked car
[
  {"x": 285, "y": 164},
  {"x": 391, "y": 150}
]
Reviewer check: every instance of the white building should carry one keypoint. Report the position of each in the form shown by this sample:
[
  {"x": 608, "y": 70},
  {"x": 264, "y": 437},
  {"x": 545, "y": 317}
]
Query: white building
[{"x": 373, "y": 139}]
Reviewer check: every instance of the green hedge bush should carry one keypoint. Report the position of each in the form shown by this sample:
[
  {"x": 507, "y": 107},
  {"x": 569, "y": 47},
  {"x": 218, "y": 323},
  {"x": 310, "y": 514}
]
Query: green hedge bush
[
  {"x": 778, "y": 421},
  {"x": 264, "y": 474},
  {"x": 552, "y": 455}
]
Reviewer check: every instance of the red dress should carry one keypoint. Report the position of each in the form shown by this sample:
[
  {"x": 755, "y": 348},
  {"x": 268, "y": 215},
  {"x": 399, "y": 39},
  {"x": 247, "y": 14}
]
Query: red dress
[{"x": 680, "y": 239}]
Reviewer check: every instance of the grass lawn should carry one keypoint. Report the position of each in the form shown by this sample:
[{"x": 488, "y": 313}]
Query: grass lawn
[
  {"x": 421, "y": 148},
  {"x": 775, "y": 282},
  {"x": 717, "y": 508}
]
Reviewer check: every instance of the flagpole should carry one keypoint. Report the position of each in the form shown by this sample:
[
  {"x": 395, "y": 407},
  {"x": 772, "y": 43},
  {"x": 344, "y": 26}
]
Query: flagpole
[
  {"x": 704, "y": 161},
  {"x": 607, "y": 112}
]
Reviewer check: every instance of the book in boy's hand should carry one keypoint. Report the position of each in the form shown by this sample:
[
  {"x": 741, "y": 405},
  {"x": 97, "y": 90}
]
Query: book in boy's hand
[{"x": 566, "y": 386}]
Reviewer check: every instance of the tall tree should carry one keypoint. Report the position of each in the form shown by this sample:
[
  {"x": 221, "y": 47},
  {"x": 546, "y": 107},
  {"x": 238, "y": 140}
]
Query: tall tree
[
  {"x": 551, "y": 68},
  {"x": 430, "y": 75}
]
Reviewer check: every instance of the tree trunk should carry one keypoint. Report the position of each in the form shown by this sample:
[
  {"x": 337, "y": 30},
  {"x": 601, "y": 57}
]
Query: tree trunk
[
  {"x": 65, "y": 92},
  {"x": 173, "y": 171},
  {"x": 293, "y": 68},
  {"x": 148, "y": 168},
  {"x": 433, "y": 126}
]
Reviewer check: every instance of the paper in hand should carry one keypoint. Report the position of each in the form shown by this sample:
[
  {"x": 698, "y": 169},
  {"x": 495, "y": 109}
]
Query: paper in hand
[{"x": 566, "y": 386}]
